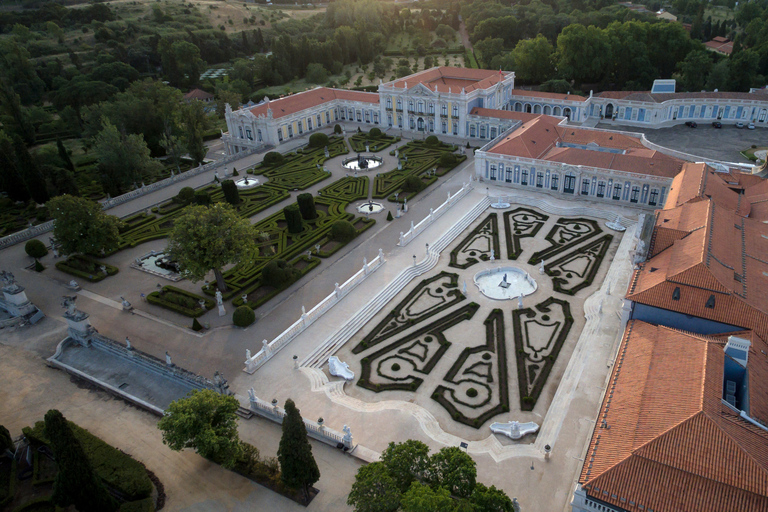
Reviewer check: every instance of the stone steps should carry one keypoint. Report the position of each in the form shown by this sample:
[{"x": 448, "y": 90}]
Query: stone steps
[{"x": 318, "y": 357}]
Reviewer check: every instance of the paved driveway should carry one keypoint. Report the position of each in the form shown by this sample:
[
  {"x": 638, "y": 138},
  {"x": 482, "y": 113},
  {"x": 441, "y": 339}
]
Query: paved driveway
[{"x": 705, "y": 141}]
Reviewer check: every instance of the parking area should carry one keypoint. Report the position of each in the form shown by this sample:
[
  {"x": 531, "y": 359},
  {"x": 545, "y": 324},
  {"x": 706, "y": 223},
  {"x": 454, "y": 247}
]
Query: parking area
[{"x": 706, "y": 141}]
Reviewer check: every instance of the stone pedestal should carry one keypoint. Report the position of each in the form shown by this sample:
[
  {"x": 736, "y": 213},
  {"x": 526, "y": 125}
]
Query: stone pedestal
[
  {"x": 79, "y": 327},
  {"x": 222, "y": 311},
  {"x": 16, "y": 301}
]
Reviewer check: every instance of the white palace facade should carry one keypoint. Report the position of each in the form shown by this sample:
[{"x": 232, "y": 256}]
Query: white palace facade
[{"x": 468, "y": 103}]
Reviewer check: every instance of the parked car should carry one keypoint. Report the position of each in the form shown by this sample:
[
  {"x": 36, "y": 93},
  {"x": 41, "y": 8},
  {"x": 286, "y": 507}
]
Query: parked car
[
  {"x": 691, "y": 124},
  {"x": 751, "y": 126},
  {"x": 717, "y": 124},
  {"x": 739, "y": 125}
]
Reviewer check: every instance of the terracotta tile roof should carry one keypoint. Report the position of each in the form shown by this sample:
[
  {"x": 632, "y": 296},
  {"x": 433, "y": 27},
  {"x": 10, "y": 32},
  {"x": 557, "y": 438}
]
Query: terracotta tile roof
[
  {"x": 725, "y": 259},
  {"x": 448, "y": 79},
  {"x": 307, "y": 99},
  {"x": 646, "y": 96},
  {"x": 720, "y": 45},
  {"x": 698, "y": 182},
  {"x": 547, "y": 95},
  {"x": 541, "y": 138},
  {"x": 198, "y": 94},
  {"x": 666, "y": 443}
]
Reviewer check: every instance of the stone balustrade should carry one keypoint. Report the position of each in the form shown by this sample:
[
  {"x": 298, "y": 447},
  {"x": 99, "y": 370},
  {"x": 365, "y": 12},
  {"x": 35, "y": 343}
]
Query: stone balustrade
[
  {"x": 406, "y": 238},
  {"x": 269, "y": 349}
]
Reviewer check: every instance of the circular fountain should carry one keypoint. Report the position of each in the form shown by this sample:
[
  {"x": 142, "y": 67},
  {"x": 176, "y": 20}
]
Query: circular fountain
[
  {"x": 505, "y": 283},
  {"x": 370, "y": 207},
  {"x": 362, "y": 163},
  {"x": 246, "y": 183}
]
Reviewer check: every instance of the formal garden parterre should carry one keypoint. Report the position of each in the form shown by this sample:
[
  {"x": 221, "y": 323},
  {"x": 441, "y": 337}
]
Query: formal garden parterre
[{"x": 464, "y": 353}]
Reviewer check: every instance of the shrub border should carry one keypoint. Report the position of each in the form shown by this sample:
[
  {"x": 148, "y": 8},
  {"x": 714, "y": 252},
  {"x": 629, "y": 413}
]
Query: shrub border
[
  {"x": 557, "y": 282},
  {"x": 369, "y": 340},
  {"x": 156, "y": 299},
  {"x": 494, "y": 220},
  {"x": 435, "y": 329},
  {"x": 497, "y": 315},
  {"x": 555, "y": 248},
  {"x": 514, "y": 249},
  {"x": 549, "y": 361},
  {"x": 62, "y": 265}
]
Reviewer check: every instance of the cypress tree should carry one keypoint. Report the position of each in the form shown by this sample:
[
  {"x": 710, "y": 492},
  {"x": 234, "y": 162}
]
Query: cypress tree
[
  {"x": 10, "y": 180},
  {"x": 64, "y": 155},
  {"x": 29, "y": 172},
  {"x": 298, "y": 468},
  {"x": 231, "y": 194},
  {"x": 307, "y": 206},
  {"x": 76, "y": 483},
  {"x": 293, "y": 218}
]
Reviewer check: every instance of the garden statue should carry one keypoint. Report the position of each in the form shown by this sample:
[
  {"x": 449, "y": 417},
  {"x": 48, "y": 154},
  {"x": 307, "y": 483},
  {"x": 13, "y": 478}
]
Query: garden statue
[
  {"x": 128, "y": 343},
  {"x": 68, "y": 302},
  {"x": 251, "y": 395},
  {"x": 219, "y": 300},
  {"x": 247, "y": 354},
  {"x": 168, "y": 359}
]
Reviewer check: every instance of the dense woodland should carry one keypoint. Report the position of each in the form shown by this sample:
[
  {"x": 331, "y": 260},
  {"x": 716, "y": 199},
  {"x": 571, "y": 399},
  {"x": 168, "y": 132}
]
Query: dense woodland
[{"x": 91, "y": 92}]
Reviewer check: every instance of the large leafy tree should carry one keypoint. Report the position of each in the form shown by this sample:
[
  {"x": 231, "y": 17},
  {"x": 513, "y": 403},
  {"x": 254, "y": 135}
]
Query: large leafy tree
[
  {"x": 206, "y": 421},
  {"x": 208, "y": 238},
  {"x": 76, "y": 483},
  {"x": 374, "y": 490},
  {"x": 81, "y": 226},
  {"x": 694, "y": 70},
  {"x": 123, "y": 159},
  {"x": 583, "y": 53},
  {"x": 407, "y": 477},
  {"x": 298, "y": 468},
  {"x": 533, "y": 60}
]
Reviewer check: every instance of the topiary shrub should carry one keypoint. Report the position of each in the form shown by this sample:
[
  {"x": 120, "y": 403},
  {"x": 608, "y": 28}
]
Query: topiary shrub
[
  {"x": 471, "y": 392},
  {"x": 337, "y": 129},
  {"x": 273, "y": 158},
  {"x": 293, "y": 218},
  {"x": 39, "y": 267},
  {"x": 186, "y": 195},
  {"x": 447, "y": 160},
  {"x": 196, "y": 326},
  {"x": 375, "y": 133},
  {"x": 277, "y": 273},
  {"x": 202, "y": 198},
  {"x": 389, "y": 215},
  {"x": 395, "y": 367},
  {"x": 234, "y": 172},
  {"x": 318, "y": 140},
  {"x": 343, "y": 231},
  {"x": 413, "y": 184},
  {"x": 231, "y": 194},
  {"x": 432, "y": 140},
  {"x": 35, "y": 248},
  {"x": 307, "y": 206},
  {"x": 243, "y": 316}
]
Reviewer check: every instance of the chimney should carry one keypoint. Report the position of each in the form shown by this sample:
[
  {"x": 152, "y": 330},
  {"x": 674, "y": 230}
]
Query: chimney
[{"x": 738, "y": 349}]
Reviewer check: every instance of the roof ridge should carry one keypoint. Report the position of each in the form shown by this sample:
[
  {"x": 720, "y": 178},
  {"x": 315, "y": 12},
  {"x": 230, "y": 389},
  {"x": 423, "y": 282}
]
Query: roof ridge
[{"x": 741, "y": 423}]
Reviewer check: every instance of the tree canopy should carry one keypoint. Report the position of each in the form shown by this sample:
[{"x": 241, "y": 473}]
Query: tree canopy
[
  {"x": 81, "y": 226},
  {"x": 206, "y": 421},
  {"x": 206, "y": 238}
]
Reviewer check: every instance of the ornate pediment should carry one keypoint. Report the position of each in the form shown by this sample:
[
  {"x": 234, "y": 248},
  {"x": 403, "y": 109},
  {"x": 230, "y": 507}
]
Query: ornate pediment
[{"x": 421, "y": 90}]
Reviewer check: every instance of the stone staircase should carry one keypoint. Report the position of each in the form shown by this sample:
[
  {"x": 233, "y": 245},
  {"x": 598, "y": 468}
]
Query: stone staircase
[{"x": 320, "y": 355}]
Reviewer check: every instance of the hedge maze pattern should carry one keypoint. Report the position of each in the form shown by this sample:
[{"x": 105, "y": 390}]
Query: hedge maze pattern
[
  {"x": 518, "y": 224},
  {"x": 478, "y": 244},
  {"x": 476, "y": 396},
  {"x": 578, "y": 268},
  {"x": 303, "y": 168},
  {"x": 539, "y": 335},
  {"x": 375, "y": 144},
  {"x": 420, "y": 159},
  {"x": 417, "y": 352},
  {"x": 347, "y": 189},
  {"x": 565, "y": 234},
  {"x": 429, "y": 297}
]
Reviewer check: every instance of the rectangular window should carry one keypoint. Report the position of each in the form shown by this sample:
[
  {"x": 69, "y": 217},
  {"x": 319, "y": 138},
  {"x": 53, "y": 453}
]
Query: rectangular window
[
  {"x": 635, "y": 197},
  {"x": 240, "y": 128},
  {"x": 290, "y": 131},
  {"x": 389, "y": 103},
  {"x": 455, "y": 129},
  {"x": 444, "y": 110},
  {"x": 493, "y": 172},
  {"x": 654, "y": 197},
  {"x": 248, "y": 134},
  {"x": 600, "y": 189},
  {"x": 585, "y": 187},
  {"x": 617, "y": 192},
  {"x": 280, "y": 134},
  {"x": 539, "y": 180},
  {"x": 555, "y": 180},
  {"x": 258, "y": 134},
  {"x": 524, "y": 181},
  {"x": 455, "y": 111},
  {"x": 309, "y": 124}
]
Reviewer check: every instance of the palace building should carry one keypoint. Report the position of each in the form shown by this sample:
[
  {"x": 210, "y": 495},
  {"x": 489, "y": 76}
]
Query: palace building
[{"x": 465, "y": 103}]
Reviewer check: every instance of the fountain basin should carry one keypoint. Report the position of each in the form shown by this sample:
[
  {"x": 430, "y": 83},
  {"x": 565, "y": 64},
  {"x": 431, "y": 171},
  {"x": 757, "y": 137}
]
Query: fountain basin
[
  {"x": 157, "y": 263},
  {"x": 370, "y": 207},
  {"x": 514, "y": 429},
  {"x": 246, "y": 183},
  {"x": 505, "y": 283},
  {"x": 362, "y": 163}
]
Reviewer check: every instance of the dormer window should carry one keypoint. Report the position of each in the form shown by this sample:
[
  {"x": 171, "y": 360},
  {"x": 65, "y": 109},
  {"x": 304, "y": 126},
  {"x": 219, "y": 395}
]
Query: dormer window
[
  {"x": 676, "y": 293},
  {"x": 653, "y": 269},
  {"x": 710, "y": 302}
]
